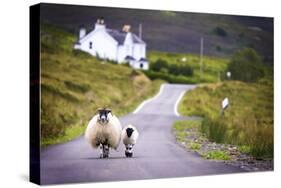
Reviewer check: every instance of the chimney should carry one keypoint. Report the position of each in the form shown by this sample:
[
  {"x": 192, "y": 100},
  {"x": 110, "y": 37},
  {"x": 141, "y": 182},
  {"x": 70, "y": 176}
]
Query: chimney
[
  {"x": 82, "y": 33},
  {"x": 100, "y": 23},
  {"x": 126, "y": 28}
]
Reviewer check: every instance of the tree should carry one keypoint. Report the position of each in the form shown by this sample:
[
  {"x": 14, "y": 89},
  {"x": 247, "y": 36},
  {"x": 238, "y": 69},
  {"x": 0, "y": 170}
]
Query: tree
[
  {"x": 158, "y": 65},
  {"x": 245, "y": 65},
  {"x": 220, "y": 32}
]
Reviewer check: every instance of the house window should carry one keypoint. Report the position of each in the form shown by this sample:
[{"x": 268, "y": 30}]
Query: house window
[
  {"x": 141, "y": 65},
  {"x": 90, "y": 45}
]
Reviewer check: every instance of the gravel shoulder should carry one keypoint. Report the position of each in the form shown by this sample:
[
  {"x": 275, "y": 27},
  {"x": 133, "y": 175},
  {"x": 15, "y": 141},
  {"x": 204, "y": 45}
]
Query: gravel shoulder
[{"x": 189, "y": 136}]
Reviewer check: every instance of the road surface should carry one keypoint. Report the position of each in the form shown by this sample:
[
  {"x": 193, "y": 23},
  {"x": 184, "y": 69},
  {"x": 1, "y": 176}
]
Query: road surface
[{"x": 156, "y": 155}]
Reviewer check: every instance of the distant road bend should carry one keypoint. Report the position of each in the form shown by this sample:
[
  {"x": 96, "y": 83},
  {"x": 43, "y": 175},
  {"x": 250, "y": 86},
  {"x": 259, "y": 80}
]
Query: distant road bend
[{"x": 156, "y": 155}]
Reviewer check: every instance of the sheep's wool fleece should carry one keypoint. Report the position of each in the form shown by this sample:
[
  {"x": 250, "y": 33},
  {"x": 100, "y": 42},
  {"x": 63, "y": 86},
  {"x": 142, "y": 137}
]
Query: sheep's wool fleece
[
  {"x": 133, "y": 139},
  {"x": 97, "y": 133}
]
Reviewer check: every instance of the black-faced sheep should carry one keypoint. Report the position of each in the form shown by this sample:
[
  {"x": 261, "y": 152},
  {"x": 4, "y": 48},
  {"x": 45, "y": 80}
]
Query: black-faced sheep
[
  {"x": 129, "y": 137},
  {"x": 104, "y": 131}
]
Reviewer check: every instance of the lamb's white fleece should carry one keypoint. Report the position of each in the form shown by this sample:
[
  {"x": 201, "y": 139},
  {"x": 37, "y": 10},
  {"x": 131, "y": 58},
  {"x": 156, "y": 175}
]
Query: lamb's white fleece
[
  {"x": 97, "y": 133},
  {"x": 129, "y": 140}
]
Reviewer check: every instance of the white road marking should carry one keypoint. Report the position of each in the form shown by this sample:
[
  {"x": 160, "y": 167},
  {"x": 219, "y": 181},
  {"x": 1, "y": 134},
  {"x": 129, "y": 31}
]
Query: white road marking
[
  {"x": 177, "y": 103},
  {"x": 149, "y": 100}
]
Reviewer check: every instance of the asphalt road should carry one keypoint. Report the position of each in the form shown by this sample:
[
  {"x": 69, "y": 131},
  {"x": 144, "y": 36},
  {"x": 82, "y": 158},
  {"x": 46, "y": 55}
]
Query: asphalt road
[{"x": 156, "y": 155}]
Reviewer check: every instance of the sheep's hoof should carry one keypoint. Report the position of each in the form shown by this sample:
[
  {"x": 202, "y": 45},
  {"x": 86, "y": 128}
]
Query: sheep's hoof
[{"x": 102, "y": 156}]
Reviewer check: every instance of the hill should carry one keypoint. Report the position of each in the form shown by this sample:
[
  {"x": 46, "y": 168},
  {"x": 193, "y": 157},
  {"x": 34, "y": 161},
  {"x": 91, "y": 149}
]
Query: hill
[
  {"x": 74, "y": 84},
  {"x": 173, "y": 31},
  {"x": 248, "y": 121},
  {"x": 213, "y": 68}
]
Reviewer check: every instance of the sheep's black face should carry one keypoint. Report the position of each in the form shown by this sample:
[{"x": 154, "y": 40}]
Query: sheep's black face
[
  {"x": 103, "y": 115},
  {"x": 129, "y": 132}
]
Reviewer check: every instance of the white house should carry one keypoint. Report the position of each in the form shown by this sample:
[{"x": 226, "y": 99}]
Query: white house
[{"x": 120, "y": 46}]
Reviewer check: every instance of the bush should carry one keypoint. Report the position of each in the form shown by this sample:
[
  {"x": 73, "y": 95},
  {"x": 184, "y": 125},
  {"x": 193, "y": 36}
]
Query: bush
[
  {"x": 218, "y": 48},
  {"x": 161, "y": 65},
  {"x": 220, "y": 32},
  {"x": 168, "y": 77},
  {"x": 245, "y": 65},
  {"x": 184, "y": 70}
]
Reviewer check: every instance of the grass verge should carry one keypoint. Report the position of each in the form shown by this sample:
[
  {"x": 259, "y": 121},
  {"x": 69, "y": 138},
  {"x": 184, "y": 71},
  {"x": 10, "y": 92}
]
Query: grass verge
[
  {"x": 217, "y": 155},
  {"x": 188, "y": 134},
  {"x": 247, "y": 122}
]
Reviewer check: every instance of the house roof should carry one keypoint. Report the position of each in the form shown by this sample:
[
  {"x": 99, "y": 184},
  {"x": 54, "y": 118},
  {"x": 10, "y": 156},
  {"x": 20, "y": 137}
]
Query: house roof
[
  {"x": 143, "y": 59},
  {"x": 129, "y": 58},
  {"x": 116, "y": 35},
  {"x": 120, "y": 36}
]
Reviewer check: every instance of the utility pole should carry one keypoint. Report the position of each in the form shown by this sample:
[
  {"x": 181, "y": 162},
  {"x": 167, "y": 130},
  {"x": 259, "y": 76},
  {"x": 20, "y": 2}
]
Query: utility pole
[
  {"x": 140, "y": 31},
  {"x": 201, "y": 56}
]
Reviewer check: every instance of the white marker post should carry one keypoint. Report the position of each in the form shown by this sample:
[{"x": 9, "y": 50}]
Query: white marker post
[
  {"x": 228, "y": 74},
  {"x": 224, "y": 105}
]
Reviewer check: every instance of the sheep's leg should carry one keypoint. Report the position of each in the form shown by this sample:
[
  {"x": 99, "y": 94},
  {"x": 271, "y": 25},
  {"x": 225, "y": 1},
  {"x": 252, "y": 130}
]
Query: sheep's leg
[
  {"x": 101, "y": 151},
  {"x": 106, "y": 151}
]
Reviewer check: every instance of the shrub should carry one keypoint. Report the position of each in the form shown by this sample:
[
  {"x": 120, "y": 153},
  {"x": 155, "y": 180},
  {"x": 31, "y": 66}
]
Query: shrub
[
  {"x": 162, "y": 66},
  {"x": 169, "y": 77},
  {"x": 245, "y": 65},
  {"x": 186, "y": 70},
  {"x": 158, "y": 64},
  {"x": 218, "y": 48},
  {"x": 220, "y": 32}
]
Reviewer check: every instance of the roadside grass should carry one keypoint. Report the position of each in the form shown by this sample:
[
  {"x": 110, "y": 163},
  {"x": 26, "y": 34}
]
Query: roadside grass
[
  {"x": 180, "y": 128},
  {"x": 188, "y": 133},
  {"x": 70, "y": 133},
  {"x": 217, "y": 155},
  {"x": 247, "y": 122},
  {"x": 213, "y": 68},
  {"x": 194, "y": 146},
  {"x": 74, "y": 84}
]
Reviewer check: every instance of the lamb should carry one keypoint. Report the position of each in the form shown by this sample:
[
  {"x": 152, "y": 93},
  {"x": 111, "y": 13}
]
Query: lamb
[
  {"x": 129, "y": 137},
  {"x": 104, "y": 131}
]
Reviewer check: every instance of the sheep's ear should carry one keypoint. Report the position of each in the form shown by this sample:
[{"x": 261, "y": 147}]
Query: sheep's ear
[{"x": 109, "y": 110}]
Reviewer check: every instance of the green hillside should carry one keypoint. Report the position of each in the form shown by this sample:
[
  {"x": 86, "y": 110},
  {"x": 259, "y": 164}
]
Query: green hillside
[
  {"x": 74, "y": 84},
  {"x": 173, "y": 31},
  {"x": 213, "y": 68},
  {"x": 248, "y": 121}
]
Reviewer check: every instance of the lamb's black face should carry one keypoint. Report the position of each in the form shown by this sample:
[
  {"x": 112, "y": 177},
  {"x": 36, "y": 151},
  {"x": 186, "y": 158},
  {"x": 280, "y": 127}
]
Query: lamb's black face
[
  {"x": 129, "y": 132},
  {"x": 103, "y": 115}
]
